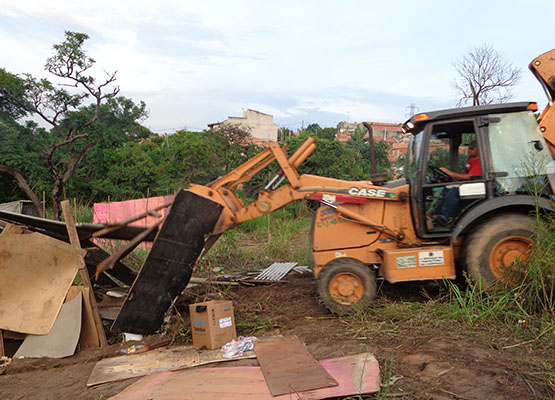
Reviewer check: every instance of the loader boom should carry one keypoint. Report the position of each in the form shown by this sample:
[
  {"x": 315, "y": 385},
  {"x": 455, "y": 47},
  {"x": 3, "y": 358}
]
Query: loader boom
[
  {"x": 543, "y": 68},
  {"x": 297, "y": 187}
]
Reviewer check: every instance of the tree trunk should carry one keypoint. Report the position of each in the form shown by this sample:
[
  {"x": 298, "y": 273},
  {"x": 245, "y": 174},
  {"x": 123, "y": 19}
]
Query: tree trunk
[{"x": 23, "y": 185}]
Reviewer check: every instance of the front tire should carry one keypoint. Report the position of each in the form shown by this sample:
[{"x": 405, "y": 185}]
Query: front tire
[
  {"x": 495, "y": 246},
  {"x": 346, "y": 282}
]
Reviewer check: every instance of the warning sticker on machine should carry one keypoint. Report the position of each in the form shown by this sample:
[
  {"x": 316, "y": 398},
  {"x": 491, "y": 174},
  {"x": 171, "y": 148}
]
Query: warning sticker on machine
[
  {"x": 431, "y": 258},
  {"x": 406, "y": 262},
  {"x": 225, "y": 322}
]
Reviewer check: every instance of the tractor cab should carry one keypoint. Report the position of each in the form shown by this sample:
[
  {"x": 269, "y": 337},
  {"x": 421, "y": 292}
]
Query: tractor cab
[{"x": 467, "y": 162}]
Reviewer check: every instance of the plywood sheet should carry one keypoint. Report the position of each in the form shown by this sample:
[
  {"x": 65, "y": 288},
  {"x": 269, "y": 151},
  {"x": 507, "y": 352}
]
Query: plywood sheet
[
  {"x": 89, "y": 335},
  {"x": 288, "y": 366},
  {"x": 158, "y": 360},
  {"x": 35, "y": 274},
  {"x": 356, "y": 375},
  {"x": 61, "y": 341}
]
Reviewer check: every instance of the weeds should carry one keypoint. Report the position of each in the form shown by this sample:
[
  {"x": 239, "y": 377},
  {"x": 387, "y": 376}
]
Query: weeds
[
  {"x": 386, "y": 373},
  {"x": 535, "y": 277},
  {"x": 280, "y": 236},
  {"x": 474, "y": 306}
]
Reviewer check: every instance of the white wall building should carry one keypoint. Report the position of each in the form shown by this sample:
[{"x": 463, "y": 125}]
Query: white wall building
[{"x": 260, "y": 125}]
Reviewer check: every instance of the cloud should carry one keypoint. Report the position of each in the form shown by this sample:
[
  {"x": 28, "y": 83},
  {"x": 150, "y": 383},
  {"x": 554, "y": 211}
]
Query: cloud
[{"x": 194, "y": 63}]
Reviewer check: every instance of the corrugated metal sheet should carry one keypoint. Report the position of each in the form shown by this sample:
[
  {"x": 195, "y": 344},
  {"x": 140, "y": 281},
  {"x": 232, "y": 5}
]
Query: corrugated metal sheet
[{"x": 276, "y": 271}]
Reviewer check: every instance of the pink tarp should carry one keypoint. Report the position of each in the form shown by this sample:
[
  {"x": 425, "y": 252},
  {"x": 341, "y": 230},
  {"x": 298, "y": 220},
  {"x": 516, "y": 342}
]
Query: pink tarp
[{"x": 118, "y": 211}]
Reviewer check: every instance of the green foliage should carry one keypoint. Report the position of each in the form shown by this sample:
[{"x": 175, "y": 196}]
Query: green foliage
[
  {"x": 12, "y": 95},
  {"x": 316, "y": 131},
  {"x": 358, "y": 143},
  {"x": 474, "y": 306},
  {"x": 331, "y": 159},
  {"x": 280, "y": 236},
  {"x": 534, "y": 278}
]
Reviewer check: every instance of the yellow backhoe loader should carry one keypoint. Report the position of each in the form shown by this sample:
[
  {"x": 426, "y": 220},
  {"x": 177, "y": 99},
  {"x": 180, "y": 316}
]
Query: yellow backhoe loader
[{"x": 392, "y": 230}]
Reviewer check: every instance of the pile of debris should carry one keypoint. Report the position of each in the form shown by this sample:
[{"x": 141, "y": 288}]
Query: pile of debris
[
  {"x": 51, "y": 315},
  {"x": 283, "y": 367}
]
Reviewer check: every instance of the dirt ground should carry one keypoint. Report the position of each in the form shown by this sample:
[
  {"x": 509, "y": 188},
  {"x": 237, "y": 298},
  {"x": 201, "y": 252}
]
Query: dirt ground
[{"x": 445, "y": 362}]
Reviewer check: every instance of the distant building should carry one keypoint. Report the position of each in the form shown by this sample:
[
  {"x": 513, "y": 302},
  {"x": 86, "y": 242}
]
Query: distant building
[
  {"x": 391, "y": 133},
  {"x": 261, "y": 126},
  {"x": 381, "y": 130}
]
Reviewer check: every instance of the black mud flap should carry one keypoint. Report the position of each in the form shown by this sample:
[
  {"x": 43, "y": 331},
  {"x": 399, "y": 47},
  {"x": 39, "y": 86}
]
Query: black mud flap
[{"x": 169, "y": 265}]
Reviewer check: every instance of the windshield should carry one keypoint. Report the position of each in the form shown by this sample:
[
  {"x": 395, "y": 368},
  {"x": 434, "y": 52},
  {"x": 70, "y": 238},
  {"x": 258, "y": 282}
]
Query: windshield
[
  {"x": 413, "y": 155},
  {"x": 518, "y": 150}
]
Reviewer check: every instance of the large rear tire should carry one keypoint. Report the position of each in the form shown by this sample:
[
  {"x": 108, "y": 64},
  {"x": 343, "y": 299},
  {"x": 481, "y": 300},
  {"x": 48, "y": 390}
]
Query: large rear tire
[
  {"x": 495, "y": 246},
  {"x": 345, "y": 283}
]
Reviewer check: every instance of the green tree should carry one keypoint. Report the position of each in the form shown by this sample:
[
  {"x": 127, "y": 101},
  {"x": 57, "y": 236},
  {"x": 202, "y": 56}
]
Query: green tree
[
  {"x": 316, "y": 131},
  {"x": 330, "y": 159},
  {"x": 20, "y": 143},
  {"x": 118, "y": 125},
  {"x": 358, "y": 143},
  {"x": 68, "y": 140}
]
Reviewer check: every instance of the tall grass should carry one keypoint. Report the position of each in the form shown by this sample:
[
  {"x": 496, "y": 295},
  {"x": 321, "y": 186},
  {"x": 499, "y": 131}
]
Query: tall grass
[
  {"x": 535, "y": 277},
  {"x": 526, "y": 302},
  {"x": 280, "y": 236}
]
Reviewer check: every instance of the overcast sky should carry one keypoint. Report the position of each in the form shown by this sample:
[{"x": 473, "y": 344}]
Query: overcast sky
[{"x": 198, "y": 62}]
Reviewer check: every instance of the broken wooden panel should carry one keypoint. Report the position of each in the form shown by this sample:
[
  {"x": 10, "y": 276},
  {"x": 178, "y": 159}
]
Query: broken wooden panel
[
  {"x": 36, "y": 272},
  {"x": 356, "y": 375},
  {"x": 89, "y": 334},
  {"x": 126, "y": 367},
  {"x": 168, "y": 267},
  {"x": 62, "y": 339},
  {"x": 288, "y": 366}
]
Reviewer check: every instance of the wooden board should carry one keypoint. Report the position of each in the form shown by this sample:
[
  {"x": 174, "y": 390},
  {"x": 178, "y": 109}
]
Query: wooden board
[
  {"x": 169, "y": 265},
  {"x": 83, "y": 273},
  {"x": 89, "y": 335},
  {"x": 39, "y": 270},
  {"x": 356, "y": 375},
  {"x": 158, "y": 360},
  {"x": 62, "y": 339},
  {"x": 288, "y": 366}
]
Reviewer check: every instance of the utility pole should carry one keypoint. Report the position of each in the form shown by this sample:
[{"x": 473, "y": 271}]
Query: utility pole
[{"x": 411, "y": 110}]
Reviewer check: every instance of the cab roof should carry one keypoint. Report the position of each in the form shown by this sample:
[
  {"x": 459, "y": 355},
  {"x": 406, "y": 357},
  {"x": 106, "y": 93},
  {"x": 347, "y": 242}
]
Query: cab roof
[{"x": 416, "y": 122}]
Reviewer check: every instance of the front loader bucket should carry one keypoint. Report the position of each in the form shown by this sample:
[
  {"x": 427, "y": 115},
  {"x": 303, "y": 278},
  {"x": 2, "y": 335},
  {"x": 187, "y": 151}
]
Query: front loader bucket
[{"x": 169, "y": 265}]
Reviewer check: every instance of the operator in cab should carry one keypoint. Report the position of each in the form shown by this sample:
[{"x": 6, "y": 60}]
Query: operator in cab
[
  {"x": 472, "y": 167},
  {"x": 447, "y": 208}
]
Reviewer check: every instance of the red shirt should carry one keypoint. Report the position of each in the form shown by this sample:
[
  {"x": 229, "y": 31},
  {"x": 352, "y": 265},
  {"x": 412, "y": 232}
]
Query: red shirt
[{"x": 473, "y": 167}]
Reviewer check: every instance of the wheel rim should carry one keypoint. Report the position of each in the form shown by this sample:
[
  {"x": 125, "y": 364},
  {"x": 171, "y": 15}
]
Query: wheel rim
[
  {"x": 346, "y": 288},
  {"x": 505, "y": 253}
]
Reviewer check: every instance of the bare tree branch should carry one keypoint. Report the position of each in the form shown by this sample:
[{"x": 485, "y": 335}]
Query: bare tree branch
[{"x": 484, "y": 77}]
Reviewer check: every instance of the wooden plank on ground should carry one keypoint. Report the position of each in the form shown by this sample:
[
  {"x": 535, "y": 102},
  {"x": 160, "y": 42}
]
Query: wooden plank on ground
[
  {"x": 169, "y": 265},
  {"x": 125, "y": 367},
  {"x": 288, "y": 366},
  {"x": 83, "y": 272},
  {"x": 356, "y": 375},
  {"x": 39, "y": 270}
]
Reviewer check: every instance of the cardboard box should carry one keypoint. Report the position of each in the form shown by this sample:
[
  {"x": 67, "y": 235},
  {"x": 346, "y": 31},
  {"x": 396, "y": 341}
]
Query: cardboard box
[{"x": 212, "y": 323}]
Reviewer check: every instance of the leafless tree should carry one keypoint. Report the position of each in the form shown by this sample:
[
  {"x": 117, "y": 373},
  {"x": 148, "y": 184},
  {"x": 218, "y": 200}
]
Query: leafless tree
[{"x": 484, "y": 77}]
